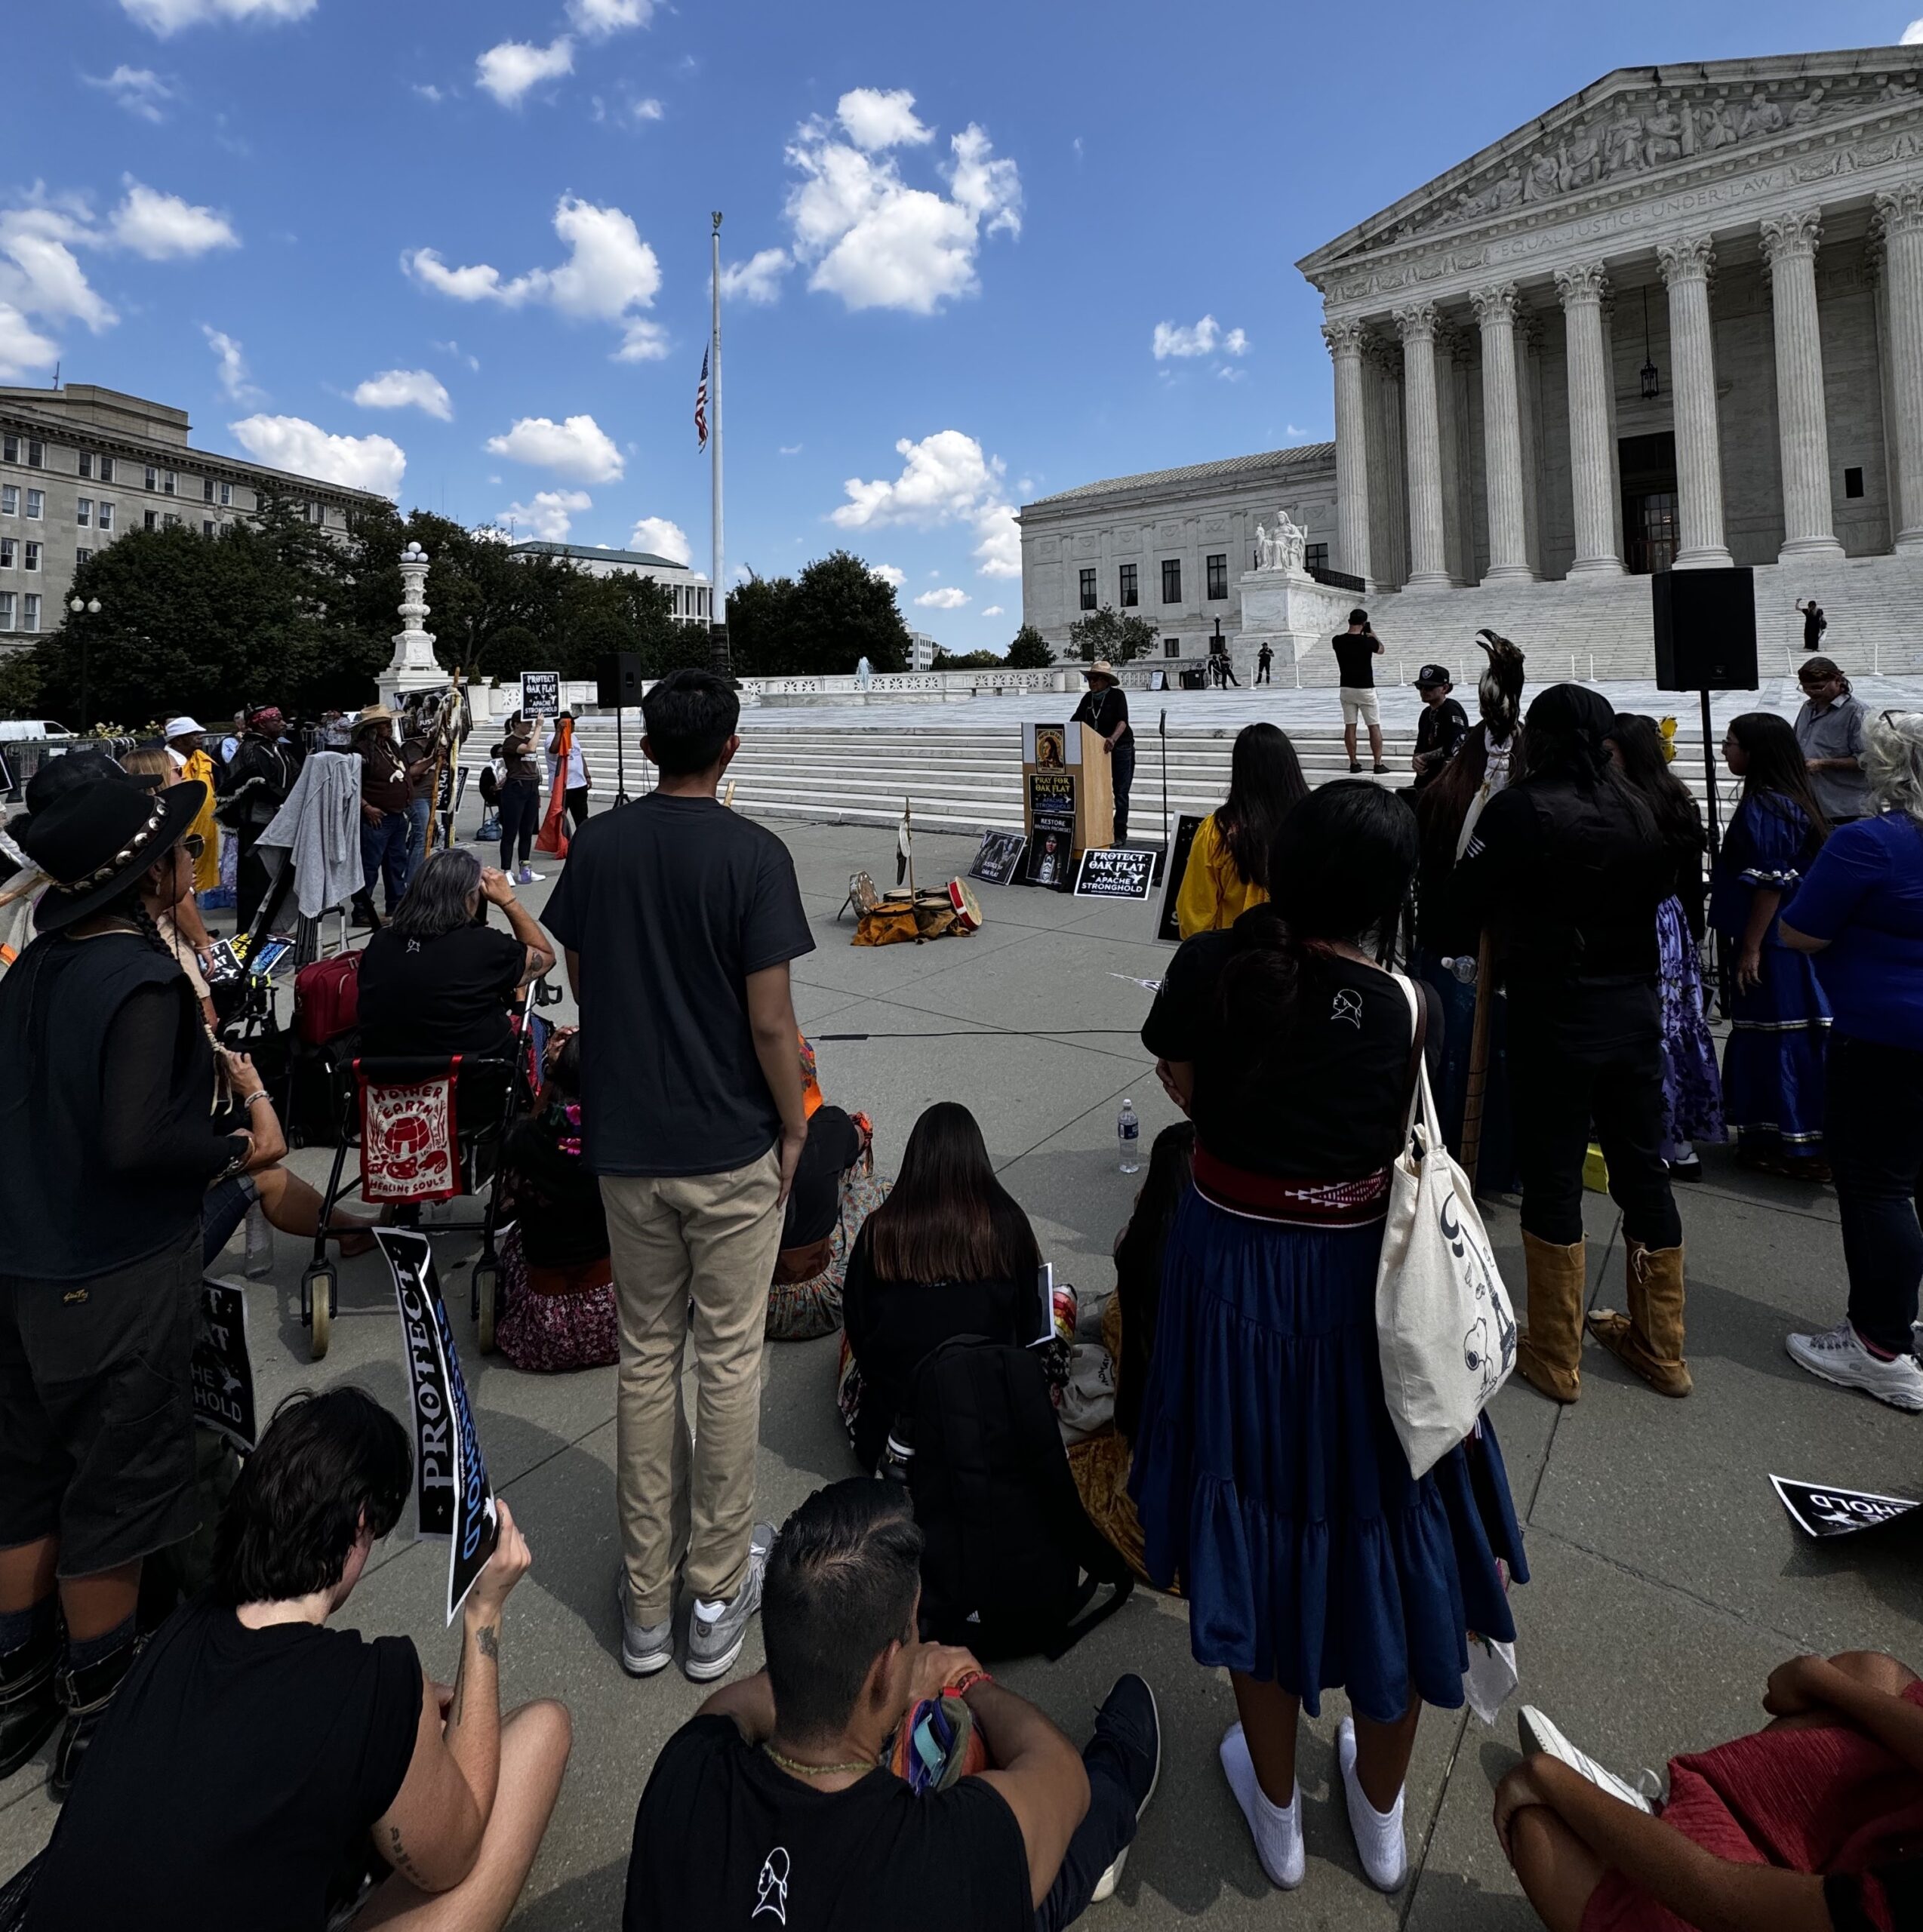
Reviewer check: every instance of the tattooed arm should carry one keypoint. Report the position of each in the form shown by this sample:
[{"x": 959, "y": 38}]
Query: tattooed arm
[{"x": 431, "y": 1834}]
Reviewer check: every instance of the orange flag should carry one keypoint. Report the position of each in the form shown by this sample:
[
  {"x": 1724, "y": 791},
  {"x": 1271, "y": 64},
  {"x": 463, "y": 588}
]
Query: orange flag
[{"x": 553, "y": 837}]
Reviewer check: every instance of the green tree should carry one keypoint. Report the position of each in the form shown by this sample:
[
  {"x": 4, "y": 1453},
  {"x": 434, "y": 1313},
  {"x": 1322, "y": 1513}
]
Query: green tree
[
  {"x": 820, "y": 624},
  {"x": 1107, "y": 633},
  {"x": 968, "y": 660},
  {"x": 20, "y": 680},
  {"x": 1029, "y": 651}
]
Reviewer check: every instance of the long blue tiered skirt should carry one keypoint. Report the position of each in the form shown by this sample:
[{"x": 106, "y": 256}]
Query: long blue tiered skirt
[{"x": 1269, "y": 1477}]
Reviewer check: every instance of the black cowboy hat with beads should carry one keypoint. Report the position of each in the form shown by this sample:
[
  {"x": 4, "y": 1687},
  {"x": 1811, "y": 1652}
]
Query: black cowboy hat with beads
[{"x": 94, "y": 841}]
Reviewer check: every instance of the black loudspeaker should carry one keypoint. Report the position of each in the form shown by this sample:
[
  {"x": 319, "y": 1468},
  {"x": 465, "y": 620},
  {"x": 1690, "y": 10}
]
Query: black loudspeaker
[
  {"x": 1706, "y": 630},
  {"x": 618, "y": 679}
]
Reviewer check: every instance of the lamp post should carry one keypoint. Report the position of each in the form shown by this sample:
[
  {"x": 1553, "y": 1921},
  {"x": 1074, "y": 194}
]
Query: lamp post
[{"x": 90, "y": 608}]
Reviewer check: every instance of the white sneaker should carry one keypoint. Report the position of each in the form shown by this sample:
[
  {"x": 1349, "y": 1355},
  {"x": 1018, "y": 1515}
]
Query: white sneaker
[
  {"x": 1538, "y": 1734},
  {"x": 1837, "y": 1355}
]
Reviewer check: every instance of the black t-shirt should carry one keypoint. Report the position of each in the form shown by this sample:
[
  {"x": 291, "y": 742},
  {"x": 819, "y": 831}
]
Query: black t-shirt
[
  {"x": 1103, "y": 710},
  {"x": 1440, "y": 730},
  {"x": 237, "y": 1774},
  {"x": 672, "y": 902},
  {"x": 724, "y": 1838},
  {"x": 1814, "y": 624},
  {"x": 1325, "y": 1102},
  {"x": 814, "y": 1201},
  {"x": 516, "y": 753},
  {"x": 1356, "y": 657},
  {"x": 447, "y": 994}
]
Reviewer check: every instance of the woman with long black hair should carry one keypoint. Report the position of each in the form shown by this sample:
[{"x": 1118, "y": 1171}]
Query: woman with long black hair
[
  {"x": 1773, "y": 1066},
  {"x": 1566, "y": 865},
  {"x": 1229, "y": 863},
  {"x": 1267, "y": 1472},
  {"x": 948, "y": 1253},
  {"x": 1692, "y": 1092}
]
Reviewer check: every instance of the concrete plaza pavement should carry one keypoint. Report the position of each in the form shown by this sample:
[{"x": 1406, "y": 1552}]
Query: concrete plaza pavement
[{"x": 1666, "y": 1581}]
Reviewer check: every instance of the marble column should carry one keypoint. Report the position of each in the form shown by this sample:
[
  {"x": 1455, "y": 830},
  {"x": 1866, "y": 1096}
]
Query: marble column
[
  {"x": 1899, "y": 222},
  {"x": 1502, "y": 435},
  {"x": 1802, "y": 425},
  {"x": 1686, "y": 267},
  {"x": 1429, "y": 564},
  {"x": 1345, "y": 340},
  {"x": 1591, "y": 471}
]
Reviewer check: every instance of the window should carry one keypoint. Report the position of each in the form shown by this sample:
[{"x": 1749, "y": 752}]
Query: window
[
  {"x": 1088, "y": 590},
  {"x": 87, "y": 463},
  {"x": 10, "y": 449},
  {"x": 1171, "y": 647},
  {"x": 10, "y": 553},
  {"x": 36, "y": 503},
  {"x": 1314, "y": 557},
  {"x": 1171, "y": 580},
  {"x": 207, "y": 526},
  {"x": 149, "y": 521},
  {"x": 170, "y": 521},
  {"x": 106, "y": 516},
  {"x": 169, "y": 478},
  {"x": 82, "y": 555},
  {"x": 1218, "y": 575},
  {"x": 83, "y": 512},
  {"x": 30, "y": 611},
  {"x": 1129, "y": 596},
  {"x": 36, "y": 452},
  {"x": 227, "y": 496},
  {"x": 10, "y": 499},
  {"x": 1853, "y": 482},
  {"x": 106, "y": 469},
  {"x": 207, "y": 489},
  {"x": 153, "y": 477},
  {"x": 6, "y": 610},
  {"x": 32, "y": 562}
]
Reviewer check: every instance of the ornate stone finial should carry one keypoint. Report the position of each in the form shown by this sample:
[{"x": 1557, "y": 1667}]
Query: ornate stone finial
[
  {"x": 1900, "y": 210},
  {"x": 1586, "y": 282},
  {"x": 1348, "y": 337},
  {"x": 1692, "y": 259},
  {"x": 1794, "y": 234},
  {"x": 1416, "y": 323},
  {"x": 1496, "y": 304}
]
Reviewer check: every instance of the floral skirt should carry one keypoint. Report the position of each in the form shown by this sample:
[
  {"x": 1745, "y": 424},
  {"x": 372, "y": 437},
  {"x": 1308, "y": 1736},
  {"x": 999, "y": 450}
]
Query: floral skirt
[
  {"x": 1692, "y": 1090},
  {"x": 568, "y": 1321},
  {"x": 799, "y": 1311}
]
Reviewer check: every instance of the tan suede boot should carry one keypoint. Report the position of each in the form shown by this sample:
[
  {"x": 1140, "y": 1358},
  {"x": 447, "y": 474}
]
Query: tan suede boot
[
  {"x": 1649, "y": 1339},
  {"x": 1549, "y": 1353}
]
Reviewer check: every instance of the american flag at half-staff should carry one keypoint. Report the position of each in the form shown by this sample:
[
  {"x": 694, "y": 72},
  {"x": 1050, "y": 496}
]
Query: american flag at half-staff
[{"x": 701, "y": 408}]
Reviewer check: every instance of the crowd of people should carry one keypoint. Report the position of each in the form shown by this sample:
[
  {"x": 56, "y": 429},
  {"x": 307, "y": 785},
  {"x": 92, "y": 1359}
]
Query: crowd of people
[{"x": 682, "y": 1192}]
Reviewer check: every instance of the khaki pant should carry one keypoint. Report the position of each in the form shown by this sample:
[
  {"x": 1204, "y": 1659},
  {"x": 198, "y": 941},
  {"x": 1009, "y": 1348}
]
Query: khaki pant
[{"x": 710, "y": 1239}]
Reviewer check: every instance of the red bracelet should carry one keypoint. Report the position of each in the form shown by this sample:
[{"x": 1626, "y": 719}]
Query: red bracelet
[{"x": 968, "y": 1678}]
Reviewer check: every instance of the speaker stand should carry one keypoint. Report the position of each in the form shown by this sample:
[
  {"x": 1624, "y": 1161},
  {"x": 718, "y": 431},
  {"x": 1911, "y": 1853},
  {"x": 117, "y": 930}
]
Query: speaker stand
[
  {"x": 1716, "y": 844},
  {"x": 621, "y": 754}
]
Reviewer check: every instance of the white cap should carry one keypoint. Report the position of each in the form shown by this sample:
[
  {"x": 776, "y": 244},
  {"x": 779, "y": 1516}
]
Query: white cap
[{"x": 184, "y": 727}]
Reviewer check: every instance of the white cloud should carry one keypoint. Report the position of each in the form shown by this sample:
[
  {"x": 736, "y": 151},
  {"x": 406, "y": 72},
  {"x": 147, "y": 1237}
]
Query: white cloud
[
  {"x": 947, "y": 598},
  {"x": 508, "y": 70},
  {"x": 291, "y": 443},
  {"x": 889, "y": 573},
  {"x": 139, "y": 90},
  {"x": 429, "y": 92},
  {"x": 459, "y": 355},
  {"x": 874, "y": 119},
  {"x": 23, "y": 349},
  {"x": 1206, "y": 337},
  {"x": 791, "y": 449},
  {"x": 663, "y": 538},
  {"x": 1912, "y": 35},
  {"x": 41, "y": 275},
  {"x": 999, "y": 552},
  {"x": 1229, "y": 375},
  {"x": 870, "y": 238},
  {"x": 945, "y": 478},
  {"x": 407, "y": 389},
  {"x": 167, "y": 16},
  {"x": 163, "y": 228},
  {"x": 990, "y": 611},
  {"x": 758, "y": 279},
  {"x": 550, "y": 516},
  {"x": 578, "y": 447},
  {"x": 648, "y": 109},
  {"x": 610, "y": 273},
  {"x": 598, "y": 18},
  {"x": 234, "y": 384}
]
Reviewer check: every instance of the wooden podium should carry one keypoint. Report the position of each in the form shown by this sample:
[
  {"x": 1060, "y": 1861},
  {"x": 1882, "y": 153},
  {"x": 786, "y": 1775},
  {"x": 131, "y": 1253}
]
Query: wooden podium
[{"x": 1068, "y": 800}]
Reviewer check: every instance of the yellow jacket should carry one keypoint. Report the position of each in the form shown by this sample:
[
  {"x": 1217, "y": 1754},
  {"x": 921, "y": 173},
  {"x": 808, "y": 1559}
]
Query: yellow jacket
[
  {"x": 1214, "y": 894},
  {"x": 207, "y": 867}
]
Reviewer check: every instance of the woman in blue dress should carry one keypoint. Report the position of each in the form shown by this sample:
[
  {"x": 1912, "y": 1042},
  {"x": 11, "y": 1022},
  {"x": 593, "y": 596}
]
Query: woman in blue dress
[
  {"x": 1267, "y": 1472},
  {"x": 1773, "y": 1066}
]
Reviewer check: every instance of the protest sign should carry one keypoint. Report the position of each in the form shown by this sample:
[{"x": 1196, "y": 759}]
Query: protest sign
[
  {"x": 1824, "y": 1510},
  {"x": 1000, "y": 857},
  {"x": 1187, "y": 826},
  {"x": 540, "y": 694},
  {"x": 1116, "y": 872},
  {"x": 223, "y": 1365},
  {"x": 476, "y": 1526}
]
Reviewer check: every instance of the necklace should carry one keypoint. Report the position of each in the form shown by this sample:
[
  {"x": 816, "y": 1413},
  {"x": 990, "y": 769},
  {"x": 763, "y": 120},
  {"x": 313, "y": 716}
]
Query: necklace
[{"x": 795, "y": 1768}]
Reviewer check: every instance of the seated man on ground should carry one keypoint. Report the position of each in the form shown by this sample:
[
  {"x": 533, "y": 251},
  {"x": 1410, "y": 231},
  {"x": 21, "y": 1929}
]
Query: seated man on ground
[
  {"x": 437, "y": 978},
  {"x": 835, "y": 1190},
  {"x": 258, "y": 1767},
  {"x": 1813, "y": 1824},
  {"x": 775, "y": 1800}
]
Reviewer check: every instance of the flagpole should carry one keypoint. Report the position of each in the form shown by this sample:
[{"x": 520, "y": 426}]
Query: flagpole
[{"x": 717, "y": 593}]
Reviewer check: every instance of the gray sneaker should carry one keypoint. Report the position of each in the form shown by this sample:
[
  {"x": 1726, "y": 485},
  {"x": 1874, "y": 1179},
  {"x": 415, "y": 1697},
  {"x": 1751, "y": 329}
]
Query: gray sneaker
[
  {"x": 713, "y": 1646},
  {"x": 645, "y": 1647}
]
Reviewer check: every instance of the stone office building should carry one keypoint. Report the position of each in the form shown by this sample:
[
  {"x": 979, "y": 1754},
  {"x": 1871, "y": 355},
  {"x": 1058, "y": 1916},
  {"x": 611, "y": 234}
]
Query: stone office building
[{"x": 81, "y": 464}]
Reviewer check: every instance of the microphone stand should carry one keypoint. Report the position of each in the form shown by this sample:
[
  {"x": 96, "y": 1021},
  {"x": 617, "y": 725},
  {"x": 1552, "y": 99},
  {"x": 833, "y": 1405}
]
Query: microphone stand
[{"x": 1161, "y": 857}]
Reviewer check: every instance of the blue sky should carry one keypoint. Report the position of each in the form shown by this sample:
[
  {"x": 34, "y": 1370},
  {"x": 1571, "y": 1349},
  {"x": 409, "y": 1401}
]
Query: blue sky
[{"x": 457, "y": 249}]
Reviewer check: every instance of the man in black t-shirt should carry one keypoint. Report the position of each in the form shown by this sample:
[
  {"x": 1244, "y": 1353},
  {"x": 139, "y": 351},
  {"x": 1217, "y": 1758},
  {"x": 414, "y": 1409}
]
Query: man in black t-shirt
[
  {"x": 1355, "y": 650},
  {"x": 1814, "y": 623},
  {"x": 680, "y": 918},
  {"x": 1442, "y": 727},
  {"x": 1106, "y": 710},
  {"x": 1264, "y": 658},
  {"x": 776, "y": 1802}
]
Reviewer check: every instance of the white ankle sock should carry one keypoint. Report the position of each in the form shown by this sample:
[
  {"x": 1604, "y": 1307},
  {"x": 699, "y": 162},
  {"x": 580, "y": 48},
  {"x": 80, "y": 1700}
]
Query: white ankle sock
[
  {"x": 1378, "y": 1834},
  {"x": 1277, "y": 1831}
]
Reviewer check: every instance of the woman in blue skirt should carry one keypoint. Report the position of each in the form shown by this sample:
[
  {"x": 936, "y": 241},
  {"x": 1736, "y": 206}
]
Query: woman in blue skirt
[
  {"x": 1773, "y": 1067},
  {"x": 1267, "y": 1472}
]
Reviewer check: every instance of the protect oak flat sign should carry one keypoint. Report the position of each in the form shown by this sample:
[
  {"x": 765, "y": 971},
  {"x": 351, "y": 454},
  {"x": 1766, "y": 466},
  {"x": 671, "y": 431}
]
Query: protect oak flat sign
[
  {"x": 1116, "y": 872},
  {"x": 224, "y": 1365},
  {"x": 1825, "y": 1510},
  {"x": 540, "y": 694}
]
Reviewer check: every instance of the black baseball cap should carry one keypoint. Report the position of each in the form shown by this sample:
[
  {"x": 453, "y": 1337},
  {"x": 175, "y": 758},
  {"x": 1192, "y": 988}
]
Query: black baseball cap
[{"x": 1432, "y": 674}]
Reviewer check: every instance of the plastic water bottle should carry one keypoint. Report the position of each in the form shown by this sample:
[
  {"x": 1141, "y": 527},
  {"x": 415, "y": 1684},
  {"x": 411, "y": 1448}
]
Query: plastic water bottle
[
  {"x": 259, "y": 1263},
  {"x": 1128, "y": 1137}
]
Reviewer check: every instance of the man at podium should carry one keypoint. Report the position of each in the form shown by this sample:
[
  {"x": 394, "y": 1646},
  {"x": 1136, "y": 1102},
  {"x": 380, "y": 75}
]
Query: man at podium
[{"x": 1104, "y": 710}]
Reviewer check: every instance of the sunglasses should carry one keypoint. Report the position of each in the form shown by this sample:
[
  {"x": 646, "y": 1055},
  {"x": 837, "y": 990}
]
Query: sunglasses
[{"x": 193, "y": 844}]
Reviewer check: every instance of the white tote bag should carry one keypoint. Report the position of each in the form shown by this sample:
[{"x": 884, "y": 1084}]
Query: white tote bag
[{"x": 1444, "y": 1325}]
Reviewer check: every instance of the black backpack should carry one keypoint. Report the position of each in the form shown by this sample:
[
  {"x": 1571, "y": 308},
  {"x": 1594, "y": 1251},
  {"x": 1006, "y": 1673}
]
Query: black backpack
[{"x": 1009, "y": 1559}]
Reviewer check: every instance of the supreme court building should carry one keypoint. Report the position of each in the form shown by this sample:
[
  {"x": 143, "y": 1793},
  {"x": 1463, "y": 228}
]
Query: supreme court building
[{"x": 1675, "y": 321}]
